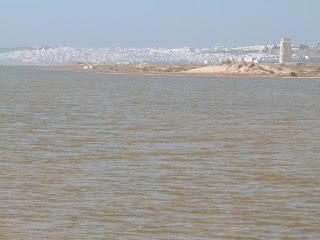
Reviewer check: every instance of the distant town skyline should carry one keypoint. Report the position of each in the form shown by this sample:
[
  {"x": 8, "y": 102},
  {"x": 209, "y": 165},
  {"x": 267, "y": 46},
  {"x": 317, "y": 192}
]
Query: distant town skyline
[{"x": 155, "y": 23}]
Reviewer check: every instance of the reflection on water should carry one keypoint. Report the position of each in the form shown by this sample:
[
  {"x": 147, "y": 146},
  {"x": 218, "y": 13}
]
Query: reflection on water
[{"x": 93, "y": 156}]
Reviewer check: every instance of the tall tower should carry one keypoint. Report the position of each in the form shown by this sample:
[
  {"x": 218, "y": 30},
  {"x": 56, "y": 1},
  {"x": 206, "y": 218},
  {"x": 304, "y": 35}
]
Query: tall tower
[{"x": 285, "y": 51}]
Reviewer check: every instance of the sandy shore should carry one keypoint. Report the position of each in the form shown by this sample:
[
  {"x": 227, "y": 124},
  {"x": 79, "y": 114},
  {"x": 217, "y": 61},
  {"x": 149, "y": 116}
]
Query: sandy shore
[
  {"x": 227, "y": 69},
  {"x": 254, "y": 69}
]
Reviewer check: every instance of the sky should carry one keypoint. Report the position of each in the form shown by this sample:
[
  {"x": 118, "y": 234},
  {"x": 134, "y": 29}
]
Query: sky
[{"x": 157, "y": 23}]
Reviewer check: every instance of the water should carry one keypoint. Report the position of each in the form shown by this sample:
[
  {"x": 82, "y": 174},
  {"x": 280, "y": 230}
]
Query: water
[{"x": 95, "y": 156}]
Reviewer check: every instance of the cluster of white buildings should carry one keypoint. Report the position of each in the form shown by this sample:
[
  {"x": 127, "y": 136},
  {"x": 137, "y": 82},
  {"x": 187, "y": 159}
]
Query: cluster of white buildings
[{"x": 69, "y": 55}]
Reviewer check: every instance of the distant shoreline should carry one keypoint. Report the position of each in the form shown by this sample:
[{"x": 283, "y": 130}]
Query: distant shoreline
[{"x": 223, "y": 70}]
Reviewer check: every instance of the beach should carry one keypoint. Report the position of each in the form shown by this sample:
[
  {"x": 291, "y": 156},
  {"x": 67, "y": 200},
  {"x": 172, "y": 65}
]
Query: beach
[{"x": 226, "y": 69}]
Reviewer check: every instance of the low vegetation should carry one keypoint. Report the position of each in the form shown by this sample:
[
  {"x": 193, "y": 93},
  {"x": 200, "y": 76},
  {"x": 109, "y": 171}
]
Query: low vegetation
[
  {"x": 227, "y": 67},
  {"x": 293, "y": 74}
]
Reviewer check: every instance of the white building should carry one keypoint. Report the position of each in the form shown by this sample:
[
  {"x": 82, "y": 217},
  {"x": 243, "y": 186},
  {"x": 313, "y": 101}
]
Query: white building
[{"x": 285, "y": 51}]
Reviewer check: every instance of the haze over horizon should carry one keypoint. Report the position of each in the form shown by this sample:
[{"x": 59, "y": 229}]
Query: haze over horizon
[{"x": 152, "y": 23}]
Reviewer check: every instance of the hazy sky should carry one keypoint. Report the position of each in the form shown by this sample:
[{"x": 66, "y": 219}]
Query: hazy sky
[{"x": 160, "y": 23}]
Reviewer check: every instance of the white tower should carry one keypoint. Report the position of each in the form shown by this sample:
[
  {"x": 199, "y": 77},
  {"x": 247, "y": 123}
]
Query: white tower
[{"x": 285, "y": 51}]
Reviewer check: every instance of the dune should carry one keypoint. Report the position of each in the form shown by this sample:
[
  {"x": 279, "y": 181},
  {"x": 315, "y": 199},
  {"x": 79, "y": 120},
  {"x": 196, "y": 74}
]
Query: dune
[{"x": 254, "y": 69}]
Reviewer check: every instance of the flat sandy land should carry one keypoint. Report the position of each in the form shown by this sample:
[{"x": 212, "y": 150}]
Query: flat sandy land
[
  {"x": 227, "y": 69},
  {"x": 253, "y": 69},
  {"x": 132, "y": 68}
]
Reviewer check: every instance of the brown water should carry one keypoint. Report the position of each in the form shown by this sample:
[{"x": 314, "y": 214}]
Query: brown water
[{"x": 94, "y": 156}]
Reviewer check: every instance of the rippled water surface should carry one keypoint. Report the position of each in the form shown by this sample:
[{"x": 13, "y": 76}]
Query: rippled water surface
[{"x": 96, "y": 156}]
